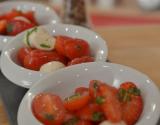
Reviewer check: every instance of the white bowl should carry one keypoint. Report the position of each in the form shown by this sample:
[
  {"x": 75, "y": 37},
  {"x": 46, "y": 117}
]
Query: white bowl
[
  {"x": 43, "y": 14},
  {"x": 64, "y": 81},
  {"x": 26, "y": 78}
]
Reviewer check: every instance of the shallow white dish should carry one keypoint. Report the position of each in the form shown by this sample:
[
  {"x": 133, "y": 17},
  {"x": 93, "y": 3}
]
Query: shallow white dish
[
  {"x": 64, "y": 81},
  {"x": 26, "y": 78},
  {"x": 43, "y": 14}
]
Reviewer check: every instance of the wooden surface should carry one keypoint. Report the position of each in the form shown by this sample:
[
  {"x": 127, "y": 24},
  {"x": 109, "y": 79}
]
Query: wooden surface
[{"x": 138, "y": 47}]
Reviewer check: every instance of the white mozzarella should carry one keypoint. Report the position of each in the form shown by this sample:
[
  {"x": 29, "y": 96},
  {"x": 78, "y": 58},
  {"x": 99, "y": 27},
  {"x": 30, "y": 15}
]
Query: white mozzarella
[
  {"x": 51, "y": 66},
  {"x": 109, "y": 123},
  {"x": 39, "y": 38}
]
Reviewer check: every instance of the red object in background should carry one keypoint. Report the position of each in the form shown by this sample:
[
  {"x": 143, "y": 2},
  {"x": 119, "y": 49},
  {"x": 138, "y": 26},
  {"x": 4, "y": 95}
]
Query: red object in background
[{"x": 119, "y": 20}]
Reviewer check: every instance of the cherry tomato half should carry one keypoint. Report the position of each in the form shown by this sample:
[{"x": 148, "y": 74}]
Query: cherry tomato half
[
  {"x": 48, "y": 109},
  {"x": 60, "y": 44},
  {"x": 76, "y": 48},
  {"x": 76, "y": 101},
  {"x": 91, "y": 112},
  {"x": 37, "y": 58},
  {"x": 22, "y": 53},
  {"x": 16, "y": 26},
  {"x": 80, "y": 60}
]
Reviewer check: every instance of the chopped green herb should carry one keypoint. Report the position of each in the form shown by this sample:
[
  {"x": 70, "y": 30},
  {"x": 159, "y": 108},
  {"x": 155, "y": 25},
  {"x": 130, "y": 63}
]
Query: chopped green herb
[
  {"x": 9, "y": 28},
  {"x": 49, "y": 117},
  {"x": 71, "y": 121},
  {"x": 95, "y": 85},
  {"x": 29, "y": 33},
  {"x": 73, "y": 97},
  {"x": 97, "y": 116},
  {"x": 121, "y": 93},
  {"x": 45, "y": 46},
  {"x": 100, "y": 100},
  {"x": 135, "y": 91}
]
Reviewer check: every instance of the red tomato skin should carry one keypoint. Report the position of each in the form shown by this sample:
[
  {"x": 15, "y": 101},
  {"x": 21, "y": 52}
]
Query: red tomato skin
[
  {"x": 60, "y": 44},
  {"x": 80, "y": 60},
  {"x": 86, "y": 113},
  {"x": 16, "y": 26},
  {"x": 112, "y": 106},
  {"x": 81, "y": 90},
  {"x": 22, "y": 53},
  {"x": 76, "y": 104},
  {"x": 37, "y": 58},
  {"x": 30, "y": 15},
  {"x": 12, "y": 14},
  {"x": 3, "y": 25},
  {"x": 94, "y": 88},
  {"x": 84, "y": 122},
  {"x": 48, "y": 104},
  {"x": 77, "y": 48}
]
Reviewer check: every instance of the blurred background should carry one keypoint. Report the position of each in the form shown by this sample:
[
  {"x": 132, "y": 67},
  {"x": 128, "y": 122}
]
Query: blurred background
[{"x": 101, "y": 13}]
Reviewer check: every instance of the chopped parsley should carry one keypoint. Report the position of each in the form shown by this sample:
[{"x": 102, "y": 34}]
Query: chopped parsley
[{"x": 45, "y": 45}]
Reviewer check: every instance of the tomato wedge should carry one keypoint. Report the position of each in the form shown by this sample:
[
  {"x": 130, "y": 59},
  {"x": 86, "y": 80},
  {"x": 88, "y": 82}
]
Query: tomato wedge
[
  {"x": 76, "y": 101},
  {"x": 22, "y": 53},
  {"x": 37, "y": 58},
  {"x": 91, "y": 112},
  {"x": 80, "y": 60},
  {"x": 48, "y": 109},
  {"x": 60, "y": 44},
  {"x": 81, "y": 90},
  {"x": 94, "y": 88}
]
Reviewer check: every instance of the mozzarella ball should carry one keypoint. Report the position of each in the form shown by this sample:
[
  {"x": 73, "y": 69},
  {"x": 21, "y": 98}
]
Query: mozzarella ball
[{"x": 51, "y": 66}]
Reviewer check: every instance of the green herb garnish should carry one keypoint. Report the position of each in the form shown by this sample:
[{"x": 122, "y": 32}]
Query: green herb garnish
[
  {"x": 45, "y": 45},
  {"x": 100, "y": 100},
  {"x": 97, "y": 116},
  {"x": 77, "y": 95},
  {"x": 9, "y": 28},
  {"x": 49, "y": 117},
  {"x": 71, "y": 121},
  {"x": 29, "y": 33}
]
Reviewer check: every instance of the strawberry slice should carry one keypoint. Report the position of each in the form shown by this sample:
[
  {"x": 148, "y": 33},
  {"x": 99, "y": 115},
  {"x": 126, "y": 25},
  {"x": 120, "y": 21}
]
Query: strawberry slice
[
  {"x": 111, "y": 106},
  {"x": 132, "y": 103}
]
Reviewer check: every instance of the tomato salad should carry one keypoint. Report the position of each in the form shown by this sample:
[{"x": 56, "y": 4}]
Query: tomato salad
[
  {"x": 98, "y": 104},
  {"x": 16, "y": 21},
  {"x": 46, "y": 53}
]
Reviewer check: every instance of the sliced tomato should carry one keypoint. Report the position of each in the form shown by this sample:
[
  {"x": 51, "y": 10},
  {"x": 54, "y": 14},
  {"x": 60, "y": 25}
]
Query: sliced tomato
[
  {"x": 76, "y": 48},
  {"x": 81, "y": 90},
  {"x": 132, "y": 102},
  {"x": 94, "y": 88},
  {"x": 37, "y": 58},
  {"x": 60, "y": 44},
  {"x": 22, "y": 53},
  {"x": 83, "y": 122},
  {"x": 76, "y": 121},
  {"x": 12, "y": 14},
  {"x": 16, "y": 26},
  {"x": 3, "y": 26},
  {"x": 76, "y": 101},
  {"x": 30, "y": 15},
  {"x": 111, "y": 106},
  {"x": 48, "y": 109},
  {"x": 80, "y": 60},
  {"x": 91, "y": 112}
]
